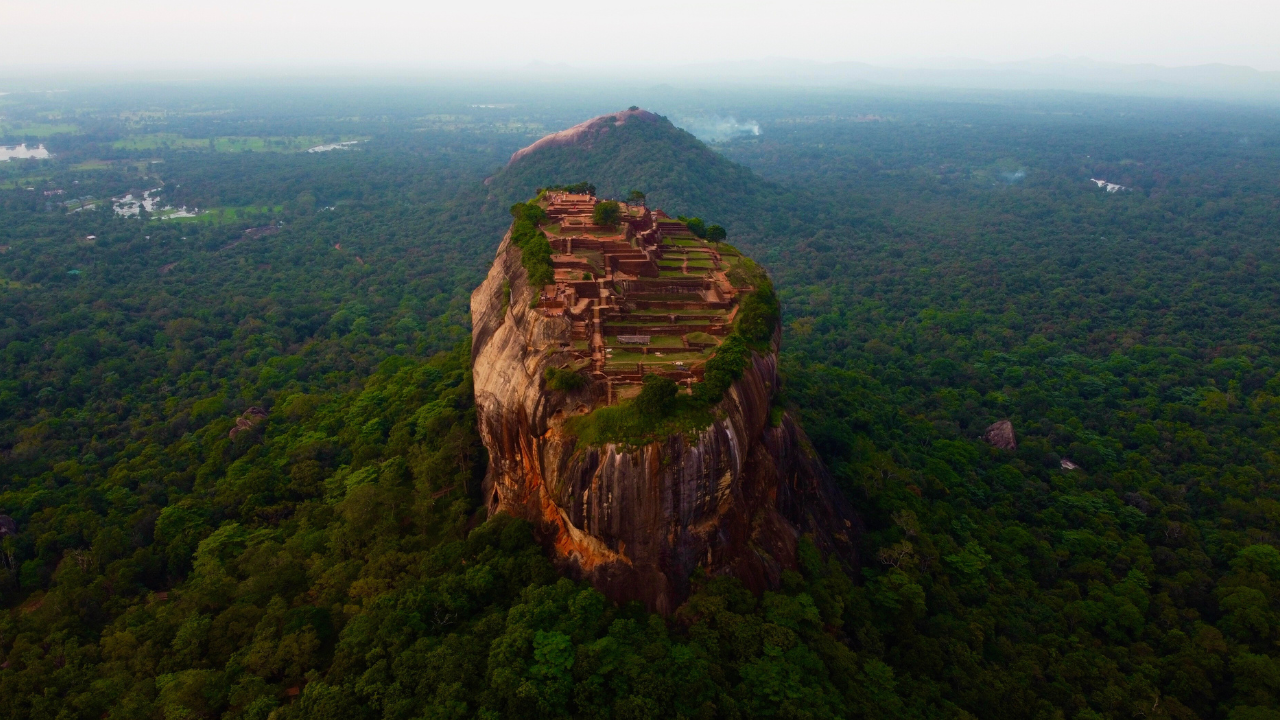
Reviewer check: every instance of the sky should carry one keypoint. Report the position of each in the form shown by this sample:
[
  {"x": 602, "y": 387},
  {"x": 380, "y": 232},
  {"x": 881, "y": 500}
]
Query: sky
[{"x": 289, "y": 35}]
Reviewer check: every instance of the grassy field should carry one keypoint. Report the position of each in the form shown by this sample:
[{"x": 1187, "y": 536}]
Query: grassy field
[
  {"x": 218, "y": 216},
  {"x": 621, "y": 359},
  {"x": 266, "y": 144},
  {"x": 92, "y": 165},
  {"x": 653, "y": 364},
  {"x": 21, "y": 182},
  {"x": 7, "y": 284},
  {"x": 680, "y": 311},
  {"x": 227, "y": 144},
  {"x": 659, "y": 320},
  {"x": 160, "y": 140},
  {"x": 678, "y": 263},
  {"x": 37, "y": 130},
  {"x": 658, "y": 341},
  {"x": 668, "y": 297},
  {"x": 74, "y": 205},
  {"x": 701, "y": 337}
]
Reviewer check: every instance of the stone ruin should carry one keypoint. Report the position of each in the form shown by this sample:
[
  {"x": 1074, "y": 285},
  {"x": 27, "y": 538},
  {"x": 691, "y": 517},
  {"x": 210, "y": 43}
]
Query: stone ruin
[{"x": 644, "y": 297}]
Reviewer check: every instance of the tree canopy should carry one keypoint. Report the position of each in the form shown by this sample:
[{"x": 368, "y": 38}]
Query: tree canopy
[
  {"x": 240, "y": 456},
  {"x": 606, "y": 213}
]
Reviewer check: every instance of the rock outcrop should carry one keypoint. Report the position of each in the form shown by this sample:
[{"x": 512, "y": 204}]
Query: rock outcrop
[
  {"x": 250, "y": 419},
  {"x": 1000, "y": 435},
  {"x": 638, "y": 521},
  {"x": 585, "y": 133}
]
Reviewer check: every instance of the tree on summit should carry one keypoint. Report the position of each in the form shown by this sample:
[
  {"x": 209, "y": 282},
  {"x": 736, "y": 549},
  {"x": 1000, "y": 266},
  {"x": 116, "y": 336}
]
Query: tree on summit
[
  {"x": 716, "y": 234},
  {"x": 578, "y": 188},
  {"x": 606, "y": 214},
  {"x": 697, "y": 227},
  {"x": 657, "y": 396},
  {"x": 635, "y": 197}
]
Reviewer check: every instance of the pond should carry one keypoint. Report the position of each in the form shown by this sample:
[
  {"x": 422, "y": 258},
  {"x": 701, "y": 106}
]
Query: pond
[
  {"x": 332, "y": 146},
  {"x": 22, "y": 152}
]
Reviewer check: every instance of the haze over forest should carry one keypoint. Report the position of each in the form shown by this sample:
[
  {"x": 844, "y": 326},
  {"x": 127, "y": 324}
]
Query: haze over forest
[{"x": 1161, "y": 47}]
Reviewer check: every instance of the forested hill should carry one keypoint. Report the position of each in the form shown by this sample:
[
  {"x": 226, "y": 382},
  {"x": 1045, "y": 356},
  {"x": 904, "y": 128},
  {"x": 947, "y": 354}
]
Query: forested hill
[{"x": 637, "y": 150}]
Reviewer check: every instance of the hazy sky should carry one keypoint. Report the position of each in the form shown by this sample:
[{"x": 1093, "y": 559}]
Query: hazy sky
[{"x": 182, "y": 34}]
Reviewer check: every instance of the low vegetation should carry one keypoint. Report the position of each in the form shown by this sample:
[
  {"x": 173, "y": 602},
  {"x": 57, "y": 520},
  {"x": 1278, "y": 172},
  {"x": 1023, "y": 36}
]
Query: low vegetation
[
  {"x": 696, "y": 225},
  {"x": 535, "y": 250},
  {"x": 564, "y": 379},
  {"x": 659, "y": 411}
]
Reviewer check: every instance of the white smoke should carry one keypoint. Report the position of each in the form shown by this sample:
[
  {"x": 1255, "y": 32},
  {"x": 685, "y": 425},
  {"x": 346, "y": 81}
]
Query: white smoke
[{"x": 713, "y": 128}]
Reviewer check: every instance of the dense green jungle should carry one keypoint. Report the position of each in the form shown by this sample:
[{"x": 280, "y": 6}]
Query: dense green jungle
[{"x": 242, "y": 468}]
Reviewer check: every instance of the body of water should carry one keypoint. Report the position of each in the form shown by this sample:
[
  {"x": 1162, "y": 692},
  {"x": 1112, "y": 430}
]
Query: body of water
[
  {"x": 332, "y": 146},
  {"x": 22, "y": 152}
]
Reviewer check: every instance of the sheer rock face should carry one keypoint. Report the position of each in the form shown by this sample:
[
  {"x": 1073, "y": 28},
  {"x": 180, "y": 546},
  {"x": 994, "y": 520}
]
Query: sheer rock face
[{"x": 636, "y": 522}]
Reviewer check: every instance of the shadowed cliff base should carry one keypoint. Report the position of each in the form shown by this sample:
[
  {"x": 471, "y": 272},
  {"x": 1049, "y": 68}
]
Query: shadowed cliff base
[{"x": 625, "y": 379}]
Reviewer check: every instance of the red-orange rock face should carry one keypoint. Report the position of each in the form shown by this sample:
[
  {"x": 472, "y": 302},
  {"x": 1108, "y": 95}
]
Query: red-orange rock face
[
  {"x": 636, "y": 522},
  {"x": 585, "y": 132}
]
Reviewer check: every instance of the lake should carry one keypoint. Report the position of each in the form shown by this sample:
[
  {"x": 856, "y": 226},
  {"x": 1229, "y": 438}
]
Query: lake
[
  {"x": 333, "y": 146},
  {"x": 22, "y": 152}
]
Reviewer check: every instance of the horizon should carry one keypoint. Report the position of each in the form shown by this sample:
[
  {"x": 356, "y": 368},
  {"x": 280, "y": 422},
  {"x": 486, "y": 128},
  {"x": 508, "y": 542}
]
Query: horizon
[
  {"x": 1079, "y": 76},
  {"x": 496, "y": 35}
]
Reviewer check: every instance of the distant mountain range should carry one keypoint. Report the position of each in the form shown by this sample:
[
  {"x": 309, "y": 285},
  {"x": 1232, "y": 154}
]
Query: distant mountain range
[
  {"x": 1232, "y": 83},
  {"x": 1216, "y": 81}
]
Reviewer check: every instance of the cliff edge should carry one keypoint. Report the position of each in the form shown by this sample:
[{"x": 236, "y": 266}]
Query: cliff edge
[{"x": 613, "y": 308}]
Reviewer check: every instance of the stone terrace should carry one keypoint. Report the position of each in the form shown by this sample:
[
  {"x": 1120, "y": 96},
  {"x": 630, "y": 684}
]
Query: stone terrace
[{"x": 643, "y": 297}]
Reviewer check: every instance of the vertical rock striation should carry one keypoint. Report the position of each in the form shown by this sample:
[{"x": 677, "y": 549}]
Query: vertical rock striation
[{"x": 638, "y": 521}]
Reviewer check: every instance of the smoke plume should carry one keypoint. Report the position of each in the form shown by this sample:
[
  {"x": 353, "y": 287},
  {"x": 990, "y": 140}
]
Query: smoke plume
[{"x": 713, "y": 128}]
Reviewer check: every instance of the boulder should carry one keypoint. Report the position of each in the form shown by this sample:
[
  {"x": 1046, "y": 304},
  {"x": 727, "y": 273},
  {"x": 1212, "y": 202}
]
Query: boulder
[
  {"x": 1000, "y": 434},
  {"x": 248, "y": 420}
]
